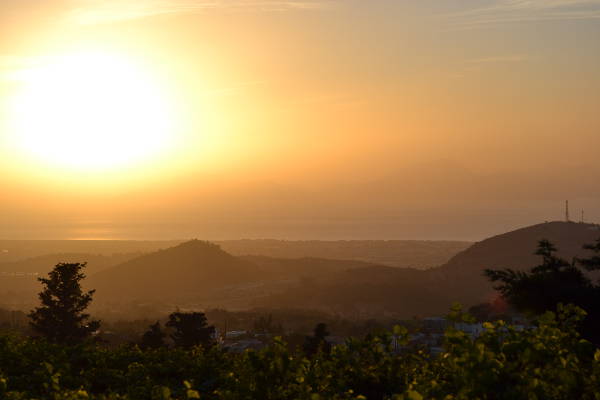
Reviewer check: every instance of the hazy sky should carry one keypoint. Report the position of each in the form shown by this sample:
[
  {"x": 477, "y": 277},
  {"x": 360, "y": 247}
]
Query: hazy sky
[{"x": 447, "y": 119}]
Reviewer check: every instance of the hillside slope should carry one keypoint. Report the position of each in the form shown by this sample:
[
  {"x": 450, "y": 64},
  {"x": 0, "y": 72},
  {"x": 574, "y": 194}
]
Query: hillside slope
[
  {"x": 374, "y": 290},
  {"x": 463, "y": 274},
  {"x": 419, "y": 254},
  {"x": 18, "y": 279},
  {"x": 184, "y": 270}
]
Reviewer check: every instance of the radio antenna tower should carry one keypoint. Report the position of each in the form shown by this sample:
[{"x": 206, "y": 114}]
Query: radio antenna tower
[
  {"x": 582, "y": 216},
  {"x": 567, "y": 219}
]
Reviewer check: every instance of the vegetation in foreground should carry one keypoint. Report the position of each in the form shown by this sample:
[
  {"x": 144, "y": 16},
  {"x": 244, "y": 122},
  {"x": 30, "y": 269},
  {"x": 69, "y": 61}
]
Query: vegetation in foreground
[{"x": 550, "y": 361}]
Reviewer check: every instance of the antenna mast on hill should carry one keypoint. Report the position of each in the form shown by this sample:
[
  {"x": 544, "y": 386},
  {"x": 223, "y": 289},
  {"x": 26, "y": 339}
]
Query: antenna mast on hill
[
  {"x": 567, "y": 219},
  {"x": 582, "y": 216}
]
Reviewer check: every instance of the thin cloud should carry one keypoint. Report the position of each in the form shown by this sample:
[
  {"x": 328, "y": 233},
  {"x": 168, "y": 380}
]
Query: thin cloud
[
  {"x": 105, "y": 11},
  {"x": 514, "y": 11},
  {"x": 498, "y": 59}
]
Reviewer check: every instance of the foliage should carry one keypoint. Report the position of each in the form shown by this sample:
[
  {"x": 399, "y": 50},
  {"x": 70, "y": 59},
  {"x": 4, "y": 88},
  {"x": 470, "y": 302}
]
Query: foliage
[
  {"x": 552, "y": 282},
  {"x": 154, "y": 337},
  {"x": 190, "y": 329},
  {"x": 550, "y": 361},
  {"x": 61, "y": 317},
  {"x": 266, "y": 325},
  {"x": 317, "y": 342},
  {"x": 593, "y": 262}
]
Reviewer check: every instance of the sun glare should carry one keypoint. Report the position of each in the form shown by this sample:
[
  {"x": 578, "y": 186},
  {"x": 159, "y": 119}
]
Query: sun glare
[{"x": 90, "y": 111}]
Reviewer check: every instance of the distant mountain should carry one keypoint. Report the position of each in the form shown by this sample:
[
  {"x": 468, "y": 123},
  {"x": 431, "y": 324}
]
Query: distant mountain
[
  {"x": 374, "y": 290},
  {"x": 15, "y": 250},
  {"x": 44, "y": 264},
  {"x": 419, "y": 254},
  {"x": 201, "y": 274},
  {"x": 306, "y": 267},
  {"x": 186, "y": 270},
  {"x": 464, "y": 272},
  {"x": 18, "y": 279}
]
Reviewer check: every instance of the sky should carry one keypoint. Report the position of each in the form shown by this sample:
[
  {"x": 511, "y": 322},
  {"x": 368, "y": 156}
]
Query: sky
[{"x": 307, "y": 119}]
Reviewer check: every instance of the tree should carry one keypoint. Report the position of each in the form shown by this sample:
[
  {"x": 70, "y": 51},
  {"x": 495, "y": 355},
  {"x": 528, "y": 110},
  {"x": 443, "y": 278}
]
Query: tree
[
  {"x": 549, "y": 284},
  {"x": 154, "y": 337},
  {"x": 266, "y": 325},
  {"x": 191, "y": 329},
  {"x": 592, "y": 263},
  {"x": 317, "y": 342},
  {"x": 61, "y": 317}
]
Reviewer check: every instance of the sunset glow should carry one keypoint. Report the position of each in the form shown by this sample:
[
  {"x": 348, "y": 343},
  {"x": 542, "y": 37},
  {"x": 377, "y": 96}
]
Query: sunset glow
[
  {"x": 296, "y": 119},
  {"x": 90, "y": 111}
]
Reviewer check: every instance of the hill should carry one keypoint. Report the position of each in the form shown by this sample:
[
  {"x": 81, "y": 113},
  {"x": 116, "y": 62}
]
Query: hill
[
  {"x": 200, "y": 274},
  {"x": 376, "y": 290},
  {"x": 420, "y": 254},
  {"x": 183, "y": 271},
  {"x": 18, "y": 279},
  {"x": 464, "y": 272},
  {"x": 306, "y": 267}
]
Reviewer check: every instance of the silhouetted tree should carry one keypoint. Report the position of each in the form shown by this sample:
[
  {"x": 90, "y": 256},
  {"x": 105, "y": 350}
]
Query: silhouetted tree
[
  {"x": 154, "y": 337},
  {"x": 552, "y": 282},
  {"x": 316, "y": 342},
  {"x": 493, "y": 311},
  {"x": 267, "y": 325},
  {"x": 191, "y": 329},
  {"x": 593, "y": 262},
  {"x": 61, "y": 317}
]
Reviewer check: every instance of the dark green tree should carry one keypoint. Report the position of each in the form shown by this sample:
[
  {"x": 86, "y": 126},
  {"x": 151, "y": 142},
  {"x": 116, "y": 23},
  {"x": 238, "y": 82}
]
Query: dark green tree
[
  {"x": 549, "y": 284},
  {"x": 191, "y": 329},
  {"x": 61, "y": 317},
  {"x": 154, "y": 337},
  {"x": 593, "y": 262},
  {"x": 317, "y": 342},
  {"x": 266, "y": 325}
]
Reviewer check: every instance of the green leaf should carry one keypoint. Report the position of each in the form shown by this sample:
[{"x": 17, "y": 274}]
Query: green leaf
[{"x": 414, "y": 395}]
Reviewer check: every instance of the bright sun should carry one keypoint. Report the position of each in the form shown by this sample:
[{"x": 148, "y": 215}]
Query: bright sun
[{"x": 90, "y": 111}]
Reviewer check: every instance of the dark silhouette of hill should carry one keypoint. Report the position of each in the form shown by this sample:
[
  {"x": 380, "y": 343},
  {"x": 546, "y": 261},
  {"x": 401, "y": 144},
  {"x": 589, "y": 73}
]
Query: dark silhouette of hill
[
  {"x": 18, "y": 279},
  {"x": 201, "y": 273},
  {"x": 306, "y": 267},
  {"x": 420, "y": 254},
  {"x": 44, "y": 264},
  {"x": 15, "y": 250},
  {"x": 185, "y": 270},
  {"x": 515, "y": 250},
  {"x": 374, "y": 290}
]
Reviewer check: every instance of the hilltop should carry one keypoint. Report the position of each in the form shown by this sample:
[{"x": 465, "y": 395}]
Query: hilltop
[
  {"x": 374, "y": 290},
  {"x": 185, "y": 270},
  {"x": 203, "y": 274},
  {"x": 515, "y": 250},
  {"x": 419, "y": 254}
]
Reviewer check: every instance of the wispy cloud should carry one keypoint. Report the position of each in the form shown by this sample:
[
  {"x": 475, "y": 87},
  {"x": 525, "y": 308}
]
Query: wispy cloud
[
  {"x": 473, "y": 65},
  {"x": 498, "y": 59},
  {"x": 104, "y": 11},
  {"x": 502, "y": 12}
]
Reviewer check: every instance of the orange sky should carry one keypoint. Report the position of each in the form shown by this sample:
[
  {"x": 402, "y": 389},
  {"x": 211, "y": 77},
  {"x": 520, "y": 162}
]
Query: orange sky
[{"x": 296, "y": 119}]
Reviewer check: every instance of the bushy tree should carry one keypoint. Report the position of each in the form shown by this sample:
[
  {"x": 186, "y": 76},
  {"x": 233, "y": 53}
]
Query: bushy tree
[
  {"x": 154, "y": 337},
  {"x": 317, "y": 342},
  {"x": 552, "y": 282},
  {"x": 191, "y": 329},
  {"x": 593, "y": 262},
  {"x": 548, "y": 362},
  {"x": 61, "y": 317},
  {"x": 265, "y": 325}
]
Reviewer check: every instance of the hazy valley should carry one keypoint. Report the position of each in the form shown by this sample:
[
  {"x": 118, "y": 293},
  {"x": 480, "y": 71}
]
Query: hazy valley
[{"x": 133, "y": 279}]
